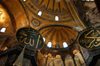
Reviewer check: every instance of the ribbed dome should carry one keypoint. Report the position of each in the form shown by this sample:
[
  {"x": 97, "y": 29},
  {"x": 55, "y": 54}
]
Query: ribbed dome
[
  {"x": 49, "y": 9},
  {"x": 52, "y": 6},
  {"x": 58, "y": 36}
]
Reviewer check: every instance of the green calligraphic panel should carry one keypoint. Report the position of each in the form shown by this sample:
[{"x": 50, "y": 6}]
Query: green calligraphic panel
[
  {"x": 29, "y": 37},
  {"x": 90, "y": 38}
]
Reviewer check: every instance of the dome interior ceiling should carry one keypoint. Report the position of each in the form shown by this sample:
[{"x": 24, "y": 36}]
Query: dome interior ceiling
[
  {"x": 57, "y": 12},
  {"x": 5, "y": 20},
  {"x": 49, "y": 9},
  {"x": 52, "y": 6},
  {"x": 58, "y": 35},
  {"x": 27, "y": 14}
]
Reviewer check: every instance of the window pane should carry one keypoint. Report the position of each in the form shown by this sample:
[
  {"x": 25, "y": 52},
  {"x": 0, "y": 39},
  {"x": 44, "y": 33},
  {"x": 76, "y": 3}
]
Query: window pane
[
  {"x": 49, "y": 44},
  {"x": 44, "y": 39},
  {"x": 39, "y": 13},
  {"x": 3, "y": 30},
  {"x": 65, "y": 45}
]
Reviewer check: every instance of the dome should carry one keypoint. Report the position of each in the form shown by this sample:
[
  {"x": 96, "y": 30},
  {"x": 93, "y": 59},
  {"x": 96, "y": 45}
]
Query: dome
[
  {"x": 58, "y": 36},
  {"x": 49, "y": 9},
  {"x": 52, "y": 6}
]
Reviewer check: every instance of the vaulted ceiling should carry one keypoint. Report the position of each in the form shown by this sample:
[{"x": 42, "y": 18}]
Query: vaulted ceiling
[{"x": 25, "y": 13}]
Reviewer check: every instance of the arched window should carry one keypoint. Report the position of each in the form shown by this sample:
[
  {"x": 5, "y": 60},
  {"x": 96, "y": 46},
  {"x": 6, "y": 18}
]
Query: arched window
[
  {"x": 69, "y": 61},
  {"x": 65, "y": 45},
  {"x": 57, "y": 46},
  {"x": 3, "y": 30},
  {"x": 44, "y": 39},
  {"x": 88, "y": 0},
  {"x": 58, "y": 61},
  {"x": 49, "y": 45},
  {"x": 56, "y": 18},
  {"x": 24, "y": 0},
  {"x": 39, "y": 13},
  {"x": 78, "y": 58}
]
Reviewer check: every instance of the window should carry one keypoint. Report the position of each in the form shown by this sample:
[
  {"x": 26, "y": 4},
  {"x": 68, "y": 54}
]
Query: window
[
  {"x": 88, "y": 0},
  {"x": 39, "y": 13},
  {"x": 57, "y": 46},
  {"x": 44, "y": 39},
  {"x": 3, "y": 30},
  {"x": 24, "y": 0},
  {"x": 5, "y": 48},
  {"x": 49, "y": 44},
  {"x": 56, "y": 18},
  {"x": 65, "y": 45}
]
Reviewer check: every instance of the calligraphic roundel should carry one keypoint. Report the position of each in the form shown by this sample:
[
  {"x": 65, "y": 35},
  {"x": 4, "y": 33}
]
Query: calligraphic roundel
[
  {"x": 29, "y": 37},
  {"x": 90, "y": 38}
]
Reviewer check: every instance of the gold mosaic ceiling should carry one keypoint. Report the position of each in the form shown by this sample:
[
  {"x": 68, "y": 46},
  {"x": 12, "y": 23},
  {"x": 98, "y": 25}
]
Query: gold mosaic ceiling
[
  {"x": 63, "y": 9},
  {"x": 52, "y": 6},
  {"x": 49, "y": 9},
  {"x": 5, "y": 20},
  {"x": 58, "y": 35}
]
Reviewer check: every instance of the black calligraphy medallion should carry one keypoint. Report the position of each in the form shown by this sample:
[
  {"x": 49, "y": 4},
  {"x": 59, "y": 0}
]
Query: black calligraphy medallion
[
  {"x": 90, "y": 38},
  {"x": 30, "y": 37}
]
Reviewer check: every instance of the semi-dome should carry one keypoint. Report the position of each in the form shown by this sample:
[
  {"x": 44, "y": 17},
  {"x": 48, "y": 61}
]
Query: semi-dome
[
  {"x": 52, "y": 6},
  {"x": 58, "y": 36},
  {"x": 49, "y": 9}
]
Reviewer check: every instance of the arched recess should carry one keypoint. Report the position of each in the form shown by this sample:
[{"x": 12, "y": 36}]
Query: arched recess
[
  {"x": 7, "y": 21},
  {"x": 57, "y": 34},
  {"x": 10, "y": 15}
]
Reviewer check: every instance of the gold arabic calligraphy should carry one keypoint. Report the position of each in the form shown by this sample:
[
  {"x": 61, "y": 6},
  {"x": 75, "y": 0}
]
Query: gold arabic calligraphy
[
  {"x": 22, "y": 39},
  {"x": 91, "y": 39}
]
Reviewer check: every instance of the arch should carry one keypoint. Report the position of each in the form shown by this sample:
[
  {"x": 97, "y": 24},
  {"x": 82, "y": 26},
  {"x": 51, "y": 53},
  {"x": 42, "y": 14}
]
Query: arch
[
  {"x": 57, "y": 34},
  {"x": 69, "y": 61},
  {"x": 10, "y": 15},
  {"x": 78, "y": 58}
]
